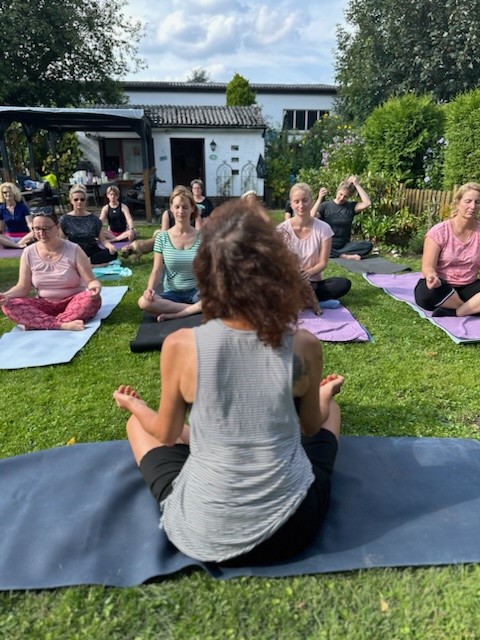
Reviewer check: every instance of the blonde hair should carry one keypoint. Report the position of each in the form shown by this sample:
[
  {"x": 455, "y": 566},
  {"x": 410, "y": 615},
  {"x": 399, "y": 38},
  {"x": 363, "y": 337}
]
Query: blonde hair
[
  {"x": 113, "y": 189},
  {"x": 461, "y": 191},
  {"x": 186, "y": 194},
  {"x": 301, "y": 186},
  {"x": 77, "y": 188},
  {"x": 13, "y": 187}
]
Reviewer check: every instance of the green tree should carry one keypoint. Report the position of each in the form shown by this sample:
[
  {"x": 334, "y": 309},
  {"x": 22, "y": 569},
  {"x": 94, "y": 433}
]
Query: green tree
[
  {"x": 199, "y": 74},
  {"x": 397, "y": 135},
  {"x": 391, "y": 47},
  {"x": 239, "y": 92},
  {"x": 65, "y": 53}
]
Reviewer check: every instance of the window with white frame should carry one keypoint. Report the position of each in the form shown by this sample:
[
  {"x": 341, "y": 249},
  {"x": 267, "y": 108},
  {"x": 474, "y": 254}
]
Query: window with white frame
[{"x": 301, "y": 119}]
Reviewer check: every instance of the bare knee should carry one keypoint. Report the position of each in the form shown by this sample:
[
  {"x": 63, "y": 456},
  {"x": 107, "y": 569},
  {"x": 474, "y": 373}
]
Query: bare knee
[{"x": 143, "y": 303}]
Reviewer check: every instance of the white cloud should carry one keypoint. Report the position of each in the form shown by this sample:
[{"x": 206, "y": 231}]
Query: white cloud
[{"x": 276, "y": 41}]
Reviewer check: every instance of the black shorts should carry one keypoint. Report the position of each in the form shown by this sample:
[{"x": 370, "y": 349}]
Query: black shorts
[
  {"x": 160, "y": 467},
  {"x": 430, "y": 299}
]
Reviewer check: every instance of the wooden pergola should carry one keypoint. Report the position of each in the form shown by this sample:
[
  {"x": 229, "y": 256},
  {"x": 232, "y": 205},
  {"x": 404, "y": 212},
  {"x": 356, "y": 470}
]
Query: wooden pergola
[{"x": 56, "y": 121}]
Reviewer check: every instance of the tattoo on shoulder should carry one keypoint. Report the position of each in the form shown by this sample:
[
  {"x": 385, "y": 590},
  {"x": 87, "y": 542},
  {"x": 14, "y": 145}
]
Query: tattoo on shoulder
[{"x": 300, "y": 367}]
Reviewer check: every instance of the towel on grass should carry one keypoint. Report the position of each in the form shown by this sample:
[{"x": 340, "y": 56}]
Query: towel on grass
[
  {"x": 370, "y": 264},
  {"x": 334, "y": 325},
  {"x": 38, "y": 348},
  {"x": 401, "y": 287},
  {"x": 83, "y": 515},
  {"x": 112, "y": 271}
]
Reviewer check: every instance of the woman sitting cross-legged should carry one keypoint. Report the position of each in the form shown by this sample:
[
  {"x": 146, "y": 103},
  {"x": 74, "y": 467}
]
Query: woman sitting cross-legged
[
  {"x": 60, "y": 272},
  {"x": 174, "y": 252},
  {"x": 339, "y": 214},
  {"x": 119, "y": 218},
  {"x": 451, "y": 259},
  {"x": 84, "y": 228},
  {"x": 15, "y": 216},
  {"x": 311, "y": 240},
  {"x": 248, "y": 482},
  {"x": 140, "y": 246}
]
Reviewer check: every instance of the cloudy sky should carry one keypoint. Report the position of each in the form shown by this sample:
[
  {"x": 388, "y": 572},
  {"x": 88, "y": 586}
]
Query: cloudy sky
[{"x": 271, "y": 41}]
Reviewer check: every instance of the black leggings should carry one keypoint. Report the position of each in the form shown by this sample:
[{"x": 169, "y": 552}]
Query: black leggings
[
  {"x": 331, "y": 288},
  {"x": 102, "y": 256}
]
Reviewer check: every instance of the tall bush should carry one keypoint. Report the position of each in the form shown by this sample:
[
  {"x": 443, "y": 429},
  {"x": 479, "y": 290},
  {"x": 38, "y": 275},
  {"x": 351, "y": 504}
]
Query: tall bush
[
  {"x": 462, "y": 130},
  {"x": 398, "y": 134}
]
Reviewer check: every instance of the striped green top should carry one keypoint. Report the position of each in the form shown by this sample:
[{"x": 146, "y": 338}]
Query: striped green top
[{"x": 178, "y": 271}]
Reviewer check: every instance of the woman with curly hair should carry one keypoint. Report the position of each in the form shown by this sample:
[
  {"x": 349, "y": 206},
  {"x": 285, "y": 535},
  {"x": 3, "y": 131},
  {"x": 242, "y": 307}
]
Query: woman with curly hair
[{"x": 248, "y": 481}]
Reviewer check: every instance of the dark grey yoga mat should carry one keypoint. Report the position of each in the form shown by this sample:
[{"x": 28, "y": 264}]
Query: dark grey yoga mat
[
  {"x": 151, "y": 334},
  {"x": 82, "y": 515},
  {"x": 374, "y": 264}
]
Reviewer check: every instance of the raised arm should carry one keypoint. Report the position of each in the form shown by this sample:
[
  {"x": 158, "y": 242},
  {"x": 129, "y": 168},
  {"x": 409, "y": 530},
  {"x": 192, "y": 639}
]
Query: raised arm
[
  {"x": 431, "y": 252},
  {"x": 321, "y": 197},
  {"x": 365, "y": 201}
]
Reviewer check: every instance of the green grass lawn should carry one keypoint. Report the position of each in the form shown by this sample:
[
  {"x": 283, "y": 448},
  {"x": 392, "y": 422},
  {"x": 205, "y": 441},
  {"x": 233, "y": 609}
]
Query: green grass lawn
[{"x": 412, "y": 380}]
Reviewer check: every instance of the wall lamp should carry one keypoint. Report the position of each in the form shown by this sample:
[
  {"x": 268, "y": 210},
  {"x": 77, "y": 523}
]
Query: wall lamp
[{"x": 213, "y": 146}]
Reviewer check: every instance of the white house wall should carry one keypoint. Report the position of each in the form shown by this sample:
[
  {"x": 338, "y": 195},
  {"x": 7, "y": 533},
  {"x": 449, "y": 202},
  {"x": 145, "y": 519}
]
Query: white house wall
[
  {"x": 250, "y": 146},
  {"x": 273, "y": 105}
]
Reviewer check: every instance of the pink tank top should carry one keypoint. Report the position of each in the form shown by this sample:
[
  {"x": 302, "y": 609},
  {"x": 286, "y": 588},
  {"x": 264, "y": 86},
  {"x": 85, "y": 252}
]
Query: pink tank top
[{"x": 58, "y": 279}]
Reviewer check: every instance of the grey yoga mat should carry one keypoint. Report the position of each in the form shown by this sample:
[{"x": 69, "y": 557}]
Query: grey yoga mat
[{"x": 82, "y": 515}]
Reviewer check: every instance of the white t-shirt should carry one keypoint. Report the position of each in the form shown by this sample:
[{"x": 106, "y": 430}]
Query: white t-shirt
[{"x": 307, "y": 249}]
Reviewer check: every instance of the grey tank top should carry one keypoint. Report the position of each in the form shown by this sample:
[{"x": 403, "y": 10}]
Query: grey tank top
[{"x": 247, "y": 471}]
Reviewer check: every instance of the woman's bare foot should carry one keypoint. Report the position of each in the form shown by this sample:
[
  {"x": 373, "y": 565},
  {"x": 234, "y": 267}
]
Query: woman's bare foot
[
  {"x": 170, "y": 316},
  {"x": 73, "y": 325},
  {"x": 167, "y": 316},
  {"x": 350, "y": 256}
]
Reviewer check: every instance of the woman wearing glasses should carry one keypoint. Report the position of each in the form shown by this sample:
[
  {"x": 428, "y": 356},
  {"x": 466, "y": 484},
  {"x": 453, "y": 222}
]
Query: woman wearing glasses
[
  {"x": 15, "y": 217},
  {"x": 67, "y": 293},
  {"x": 84, "y": 228}
]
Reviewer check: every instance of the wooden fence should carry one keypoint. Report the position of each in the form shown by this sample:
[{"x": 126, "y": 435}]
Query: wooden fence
[{"x": 421, "y": 200}]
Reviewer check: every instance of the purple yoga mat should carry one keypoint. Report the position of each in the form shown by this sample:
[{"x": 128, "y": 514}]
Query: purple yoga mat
[
  {"x": 334, "y": 325},
  {"x": 401, "y": 287},
  {"x": 10, "y": 253}
]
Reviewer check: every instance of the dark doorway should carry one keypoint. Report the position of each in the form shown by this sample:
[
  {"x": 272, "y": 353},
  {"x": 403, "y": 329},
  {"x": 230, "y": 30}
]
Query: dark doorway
[{"x": 187, "y": 160}]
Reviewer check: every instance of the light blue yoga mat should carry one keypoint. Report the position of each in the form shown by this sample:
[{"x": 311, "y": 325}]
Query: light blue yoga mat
[
  {"x": 83, "y": 515},
  {"x": 38, "y": 348}
]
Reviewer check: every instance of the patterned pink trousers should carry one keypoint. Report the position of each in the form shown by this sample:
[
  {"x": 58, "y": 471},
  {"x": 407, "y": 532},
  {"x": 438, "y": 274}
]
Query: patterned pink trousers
[{"x": 43, "y": 313}]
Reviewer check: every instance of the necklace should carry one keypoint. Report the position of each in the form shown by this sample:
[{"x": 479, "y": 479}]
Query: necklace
[{"x": 52, "y": 253}]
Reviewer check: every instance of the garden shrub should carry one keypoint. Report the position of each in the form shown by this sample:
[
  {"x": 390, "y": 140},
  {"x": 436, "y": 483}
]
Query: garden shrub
[
  {"x": 397, "y": 135},
  {"x": 462, "y": 130}
]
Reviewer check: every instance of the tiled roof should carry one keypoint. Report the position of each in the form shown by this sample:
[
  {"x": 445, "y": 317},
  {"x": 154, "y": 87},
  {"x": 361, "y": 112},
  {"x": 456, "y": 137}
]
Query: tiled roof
[
  {"x": 210, "y": 116},
  {"x": 220, "y": 87}
]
